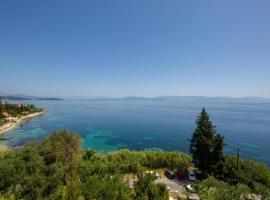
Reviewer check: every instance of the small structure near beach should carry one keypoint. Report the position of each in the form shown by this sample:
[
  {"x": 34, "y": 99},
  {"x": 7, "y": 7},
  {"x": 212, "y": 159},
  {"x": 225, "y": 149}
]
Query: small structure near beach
[
  {"x": 19, "y": 105},
  {"x": 5, "y": 115}
]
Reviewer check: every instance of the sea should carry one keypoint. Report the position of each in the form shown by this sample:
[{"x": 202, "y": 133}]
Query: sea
[{"x": 108, "y": 124}]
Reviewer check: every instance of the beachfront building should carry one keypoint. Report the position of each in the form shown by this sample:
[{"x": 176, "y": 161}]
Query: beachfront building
[
  {"x": 19, "y": 105},
  {"x": 6, "y": 115}
]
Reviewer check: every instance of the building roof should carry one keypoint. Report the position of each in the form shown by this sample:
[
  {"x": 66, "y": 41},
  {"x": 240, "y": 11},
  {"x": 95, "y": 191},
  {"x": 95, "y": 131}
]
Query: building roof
[{"x": 5, "y": 114}]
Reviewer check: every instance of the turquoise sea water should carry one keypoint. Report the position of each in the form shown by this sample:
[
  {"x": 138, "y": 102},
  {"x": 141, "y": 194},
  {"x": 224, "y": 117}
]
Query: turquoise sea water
[{"x": 138, "y": 124}]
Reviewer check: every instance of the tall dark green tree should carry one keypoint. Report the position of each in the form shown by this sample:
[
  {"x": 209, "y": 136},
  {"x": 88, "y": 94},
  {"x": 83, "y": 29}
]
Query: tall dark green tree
[{"x": 206, "y": 145}]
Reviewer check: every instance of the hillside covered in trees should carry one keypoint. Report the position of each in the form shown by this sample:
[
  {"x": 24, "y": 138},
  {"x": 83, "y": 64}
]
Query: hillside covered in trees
[{"x": 58, "y": 168}]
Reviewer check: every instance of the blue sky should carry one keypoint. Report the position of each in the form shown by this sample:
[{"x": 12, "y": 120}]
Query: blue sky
[{"x": 135, "y": 47}]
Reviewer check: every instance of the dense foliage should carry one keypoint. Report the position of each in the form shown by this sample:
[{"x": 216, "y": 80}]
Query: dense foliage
[
  {"x": 16, "y": 110},
  {"x": 248, "y": 172},
  {"x": 213, "y": 189},
  {"x": 3, "y": 121},
  {"x": 126, "y": 161},
  {"x": 145, "y": 188},
  {"x": 206, "y": 146},
  {"x": 57, "y": 168}
]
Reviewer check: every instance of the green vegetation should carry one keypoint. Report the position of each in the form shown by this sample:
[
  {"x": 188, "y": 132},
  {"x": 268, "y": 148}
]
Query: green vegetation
[
  {"x": 233, "y": 179},
  {"x": 57, "y": 168},
  {"x": 249, "y": 172},
  {"x": 16, "y": 110},
  {"x": 125, "y": 161},
  {"x": 213, "y": 189},
  {"x": 145, "y": 188},
  {"x": 3, "y": 121},
  {"x": 206, "y": 146}
]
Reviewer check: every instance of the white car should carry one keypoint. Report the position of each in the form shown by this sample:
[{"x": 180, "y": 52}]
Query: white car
[
  {"x": 191, "y": 176},
  {"x": 190, "y": 187}
]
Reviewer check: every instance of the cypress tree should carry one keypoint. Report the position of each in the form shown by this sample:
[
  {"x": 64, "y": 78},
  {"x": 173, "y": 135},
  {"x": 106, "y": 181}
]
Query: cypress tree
[{"x": 206, "y": 145}]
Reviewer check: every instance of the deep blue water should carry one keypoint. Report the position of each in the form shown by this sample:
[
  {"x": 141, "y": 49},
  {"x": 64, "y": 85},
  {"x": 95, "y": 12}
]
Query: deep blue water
[{"x": 141, "y": 124}]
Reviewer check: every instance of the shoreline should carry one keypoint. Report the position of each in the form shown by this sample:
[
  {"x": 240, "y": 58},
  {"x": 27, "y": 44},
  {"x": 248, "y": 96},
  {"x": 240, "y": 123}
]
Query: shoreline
[{"x": 11, "y": 125}]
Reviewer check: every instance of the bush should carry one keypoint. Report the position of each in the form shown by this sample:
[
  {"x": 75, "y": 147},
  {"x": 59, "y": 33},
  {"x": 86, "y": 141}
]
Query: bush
[
  {"x": 145, "y": 188},
  {"x": 126, "y": 161},
  {"x": 249, "y": 172},
  {"x": 213, "y": 189}
]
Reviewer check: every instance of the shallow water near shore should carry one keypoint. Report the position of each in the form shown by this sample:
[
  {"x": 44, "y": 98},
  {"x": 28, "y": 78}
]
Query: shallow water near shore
[{"x": 108, "y": 125}]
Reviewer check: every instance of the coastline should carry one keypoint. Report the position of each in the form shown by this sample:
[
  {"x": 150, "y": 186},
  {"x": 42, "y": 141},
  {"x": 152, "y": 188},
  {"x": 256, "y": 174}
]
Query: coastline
[{"x": 11, "y": 125}]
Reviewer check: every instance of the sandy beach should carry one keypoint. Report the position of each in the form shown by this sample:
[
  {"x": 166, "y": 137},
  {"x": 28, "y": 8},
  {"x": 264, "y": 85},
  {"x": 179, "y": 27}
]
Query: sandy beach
[{"x": 10, "y": 125}]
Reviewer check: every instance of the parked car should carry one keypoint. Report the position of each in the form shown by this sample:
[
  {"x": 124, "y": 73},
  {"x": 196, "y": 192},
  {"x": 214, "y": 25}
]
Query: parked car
[
  {"x": 182, "y": 174},
  {"x": 169, "y": 174},
  {"x": 191, "y": 176},
  {"x": 199, "y": 175}
]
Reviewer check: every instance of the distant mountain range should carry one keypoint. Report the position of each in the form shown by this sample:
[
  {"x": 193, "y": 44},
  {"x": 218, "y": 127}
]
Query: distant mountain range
[
  {"x": 177, "y": 98},
  {"x": 21, "y": 97},
  {"x": 137, "y": 98}
]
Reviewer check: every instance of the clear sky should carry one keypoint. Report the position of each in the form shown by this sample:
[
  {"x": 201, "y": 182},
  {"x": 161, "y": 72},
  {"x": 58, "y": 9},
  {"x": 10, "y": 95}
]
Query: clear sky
[{"x": 135, "y": 47}]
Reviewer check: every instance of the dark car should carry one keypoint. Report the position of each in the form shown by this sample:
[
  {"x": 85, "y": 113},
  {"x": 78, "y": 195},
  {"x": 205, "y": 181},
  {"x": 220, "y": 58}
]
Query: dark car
[
  {"x": 169, "y": 174},
  {"x": 199, "y": 175}
]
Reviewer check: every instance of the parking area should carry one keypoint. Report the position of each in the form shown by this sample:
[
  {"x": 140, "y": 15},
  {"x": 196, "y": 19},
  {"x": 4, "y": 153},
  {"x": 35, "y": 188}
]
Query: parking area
[
  {"x": 177, "y": 188},
  {"x": 174, "y": 186}
]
